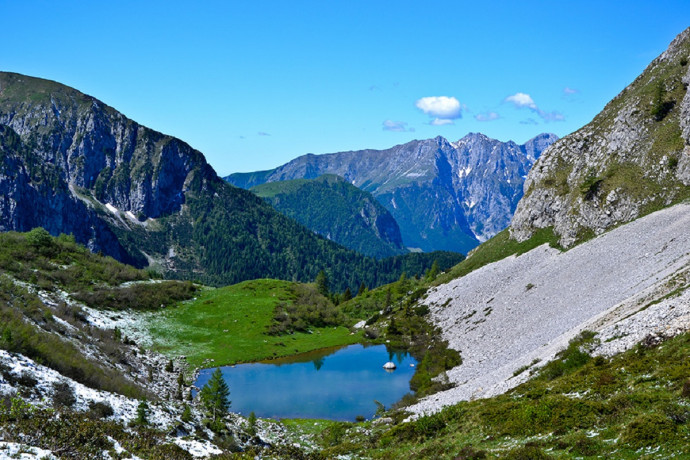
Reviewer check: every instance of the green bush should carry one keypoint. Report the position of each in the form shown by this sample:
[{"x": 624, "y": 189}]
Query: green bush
[
  {"x": 39, "y": 238},
  {"x": 648, "y": 430},
  {"x": 63, "y": 395},
  {"x": 527, "y": 453}
]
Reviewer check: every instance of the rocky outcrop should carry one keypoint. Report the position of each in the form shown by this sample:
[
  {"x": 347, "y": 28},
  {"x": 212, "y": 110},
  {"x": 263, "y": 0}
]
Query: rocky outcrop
[
  {"x": 633, "y": 158},
  {"x": 443, "y": 195}
]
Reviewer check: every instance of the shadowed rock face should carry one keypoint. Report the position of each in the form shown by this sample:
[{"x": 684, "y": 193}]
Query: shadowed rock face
[
  {"x": 443, "y": 195},
  {"x": 633, "y": 158},
  {"x": 66, "y": 153}
]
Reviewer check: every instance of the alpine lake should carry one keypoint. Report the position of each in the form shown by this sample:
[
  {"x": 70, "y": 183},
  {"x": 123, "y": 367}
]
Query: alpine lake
[{"x": 336, "y": 384}]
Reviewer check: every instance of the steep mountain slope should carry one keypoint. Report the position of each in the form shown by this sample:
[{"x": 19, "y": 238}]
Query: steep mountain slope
[
  {"x": 72, "y": 164},
  {"x": 341, "y": 212},
  {"x": 633, "y": 158},
  {"x": 443, "y": 195},
  {"x": 520, "y": 311},
  {"x": 628, "y": 284}
]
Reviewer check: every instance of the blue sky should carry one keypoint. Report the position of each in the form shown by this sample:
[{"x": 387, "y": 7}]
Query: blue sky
[{"x": 254, "y": 84}]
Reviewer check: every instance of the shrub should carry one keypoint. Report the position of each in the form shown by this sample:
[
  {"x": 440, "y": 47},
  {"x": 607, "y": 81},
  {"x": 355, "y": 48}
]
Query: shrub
[
  {"x": 186, "y": 414},
  {"x": 27, "y": 380},
  {"x": 371, "y": 333},
  {"x": 39, "y": 238},
  {"x": 100, "y": 409},
  {"x": 527, "y": 452},
  {"x": 648, "y": 430},
  {"x": 685, "y": 392},
  {"x": 470, "y": 453},
  {"x": 63, "y": 395}
]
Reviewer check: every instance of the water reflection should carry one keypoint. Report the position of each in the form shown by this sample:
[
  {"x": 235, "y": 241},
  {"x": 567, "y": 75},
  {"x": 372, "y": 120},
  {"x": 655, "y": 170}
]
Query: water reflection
[{"x": 337, "y": 384}]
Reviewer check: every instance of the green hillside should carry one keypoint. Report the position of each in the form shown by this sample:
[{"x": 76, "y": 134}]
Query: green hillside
[{"x": 332, "y": 207}]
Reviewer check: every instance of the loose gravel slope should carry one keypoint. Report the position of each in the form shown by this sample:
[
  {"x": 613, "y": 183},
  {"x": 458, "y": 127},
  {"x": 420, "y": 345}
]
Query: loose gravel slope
[{"x": 519, "y": 310}]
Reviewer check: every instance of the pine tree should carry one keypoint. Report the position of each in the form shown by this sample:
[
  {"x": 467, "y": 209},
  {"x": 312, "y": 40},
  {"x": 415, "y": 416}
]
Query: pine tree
[
  {"x": 214, "y": 395},
  {"x": 433, "y": 271},
  {"x": 322, "y": 283},
  {"x": 142, "y": 413},
  {"x": 347, "y": 295},
  {"x": 362, "y": 289}
]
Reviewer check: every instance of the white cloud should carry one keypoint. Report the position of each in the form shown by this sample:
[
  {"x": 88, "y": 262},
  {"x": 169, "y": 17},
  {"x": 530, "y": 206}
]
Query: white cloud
[
  {"x": 522, "y": 100},
  {"x": 569, "y": 91},
  {"x": 487, "y": 116},
  {"x": 551, "y": 116},
  {"x": 397, "y": 126},
  {"x": 443, "y": 109},
  {"x": 441, "y": 122}
]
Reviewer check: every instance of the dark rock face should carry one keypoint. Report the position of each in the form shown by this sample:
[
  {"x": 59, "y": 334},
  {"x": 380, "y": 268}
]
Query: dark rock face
[
  {"x": 444, "y": 196},
  {"x": 28, "y": 199}
]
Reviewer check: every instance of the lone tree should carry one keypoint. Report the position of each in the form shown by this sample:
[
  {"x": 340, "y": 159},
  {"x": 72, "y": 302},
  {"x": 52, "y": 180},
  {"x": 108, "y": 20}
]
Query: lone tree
[
  {"x": 322, "y": 283},
  {"x": 142, "y": 413},
  {"x": 214, "y": 395}
]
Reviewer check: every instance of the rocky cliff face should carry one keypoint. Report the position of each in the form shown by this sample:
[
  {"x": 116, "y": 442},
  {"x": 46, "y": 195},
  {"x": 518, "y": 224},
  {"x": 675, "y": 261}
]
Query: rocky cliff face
[
  {"x": 94, "y": 147},
  {"x": 332, "y": 207},
  {"x": 443, "y": 195},
  {"x": 633, "y": 158}
]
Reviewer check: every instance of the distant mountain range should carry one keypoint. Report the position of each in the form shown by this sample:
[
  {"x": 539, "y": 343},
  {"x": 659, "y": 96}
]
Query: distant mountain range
[
  {"x": 332, "y": 207},
  {"x": 72, "y": 164},
  {"x": 443, "y": 195}
]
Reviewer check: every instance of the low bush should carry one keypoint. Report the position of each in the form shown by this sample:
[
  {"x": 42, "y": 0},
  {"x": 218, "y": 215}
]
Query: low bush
[
  {"x": 63, "y": 395},
  {"x": 648, "y": 430},
  {"x": 527, "y": 453},
  {"x": 100, "y": 409}
]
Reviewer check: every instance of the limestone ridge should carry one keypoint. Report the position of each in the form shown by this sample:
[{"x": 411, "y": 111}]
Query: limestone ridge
[
  {"x": 337, "y": 210},
  {"x": 631, "y": 159},
  {"x": 92, "y": 155},
  {"x": 443, "y": 195}
]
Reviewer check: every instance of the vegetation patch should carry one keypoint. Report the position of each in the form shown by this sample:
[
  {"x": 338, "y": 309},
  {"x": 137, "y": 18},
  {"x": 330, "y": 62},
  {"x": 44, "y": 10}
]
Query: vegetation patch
[{"x": 232, "y": 324}]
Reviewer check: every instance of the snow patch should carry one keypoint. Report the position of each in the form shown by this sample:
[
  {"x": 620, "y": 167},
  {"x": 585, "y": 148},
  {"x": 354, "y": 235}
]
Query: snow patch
[
  {"x": 24, "y": 452},
  {"x": 198, "y": 449},
  {"x": 112, "y": 208}
]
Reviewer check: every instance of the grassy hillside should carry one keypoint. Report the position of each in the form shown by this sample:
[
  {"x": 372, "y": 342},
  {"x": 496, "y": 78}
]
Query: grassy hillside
[
  {"x": 334, "y": 208},
  {"x": 39, "y": 274}
]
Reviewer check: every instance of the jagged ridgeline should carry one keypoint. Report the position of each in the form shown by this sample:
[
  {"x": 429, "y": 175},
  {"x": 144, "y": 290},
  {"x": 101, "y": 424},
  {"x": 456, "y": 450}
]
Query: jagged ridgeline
[
  {"x": 443, "y": 195},
  {"x": 71, "y": 164},
  {"x": 632, "y": 159}
]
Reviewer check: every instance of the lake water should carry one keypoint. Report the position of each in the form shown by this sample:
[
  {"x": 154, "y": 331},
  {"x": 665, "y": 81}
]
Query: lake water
[{"x": 328, "y": 384}]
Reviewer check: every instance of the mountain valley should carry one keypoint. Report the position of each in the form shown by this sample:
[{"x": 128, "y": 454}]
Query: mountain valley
[{"x": 127, "y": 265}]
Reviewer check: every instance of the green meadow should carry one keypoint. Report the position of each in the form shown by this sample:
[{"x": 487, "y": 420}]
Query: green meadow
[{"x": 229, "y": 325}]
